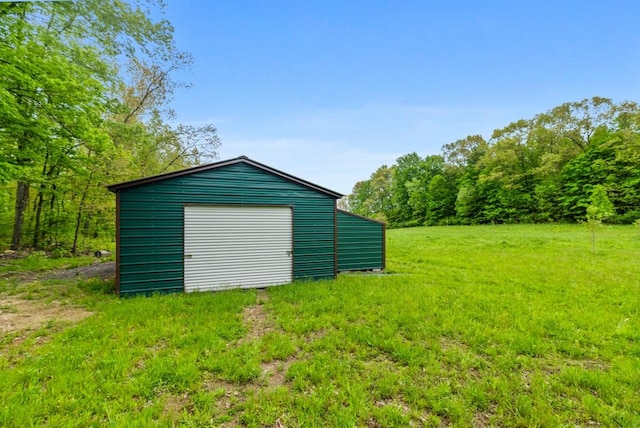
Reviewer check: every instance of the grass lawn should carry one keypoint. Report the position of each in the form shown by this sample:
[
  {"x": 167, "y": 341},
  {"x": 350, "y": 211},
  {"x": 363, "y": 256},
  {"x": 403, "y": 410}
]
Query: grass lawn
[{"x": 472, "y": 326}]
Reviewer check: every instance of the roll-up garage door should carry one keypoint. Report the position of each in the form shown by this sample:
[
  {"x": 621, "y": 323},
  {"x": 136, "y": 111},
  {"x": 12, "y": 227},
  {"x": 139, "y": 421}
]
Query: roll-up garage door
[{"x": 237, "y": 246}]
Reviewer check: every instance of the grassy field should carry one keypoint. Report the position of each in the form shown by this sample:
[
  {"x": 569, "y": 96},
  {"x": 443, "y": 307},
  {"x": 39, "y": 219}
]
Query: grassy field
[{"x": 472, "y": 326}]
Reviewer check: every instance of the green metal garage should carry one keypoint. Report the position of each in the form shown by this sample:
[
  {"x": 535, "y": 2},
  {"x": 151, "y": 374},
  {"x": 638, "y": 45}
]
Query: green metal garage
[
  {"x": 229, "y": 224},
  {"x": 361, "y": 243}
]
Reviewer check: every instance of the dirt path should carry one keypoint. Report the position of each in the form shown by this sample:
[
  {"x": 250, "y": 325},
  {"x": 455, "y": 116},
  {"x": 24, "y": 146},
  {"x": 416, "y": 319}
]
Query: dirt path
[
  {"x": 259, "y": 324},
  {"x": 18, "y": 314},
  {"x": 104, "y": 270},
  {"x": 21, "y": 314},
  {"x": 256, "y": 319}
]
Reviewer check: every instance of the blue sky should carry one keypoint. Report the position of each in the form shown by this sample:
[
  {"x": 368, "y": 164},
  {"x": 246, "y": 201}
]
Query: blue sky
[{"x": 331, "y": 90}]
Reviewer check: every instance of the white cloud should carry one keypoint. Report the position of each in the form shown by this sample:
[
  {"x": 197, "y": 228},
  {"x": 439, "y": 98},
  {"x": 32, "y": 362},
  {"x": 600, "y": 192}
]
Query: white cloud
[
  {"x": 335, "y": 148},
  {"x": 334, "y": 166}
]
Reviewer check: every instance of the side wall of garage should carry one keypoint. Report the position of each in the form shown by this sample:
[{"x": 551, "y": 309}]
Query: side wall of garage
[
  {"x": 361, "y": 243},
  {"x": 151, "y": 220}
]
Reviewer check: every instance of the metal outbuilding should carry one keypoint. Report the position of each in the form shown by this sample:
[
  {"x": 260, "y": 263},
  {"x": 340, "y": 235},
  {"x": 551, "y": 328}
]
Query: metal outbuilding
[
  {"x": 229, "y": 224},
  {"x": 361, "y": 243}
]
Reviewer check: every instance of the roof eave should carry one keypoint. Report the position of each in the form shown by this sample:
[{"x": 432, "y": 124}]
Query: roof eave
[{"x": 241, "y": 159}]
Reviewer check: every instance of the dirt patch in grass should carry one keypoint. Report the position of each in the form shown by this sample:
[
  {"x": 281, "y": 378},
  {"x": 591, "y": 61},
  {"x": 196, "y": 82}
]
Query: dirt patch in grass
[
  {"x": 103, "y": 270},
  {"x": 26, "y": 314},
  {"x": 228, "y": 397},
  {"x": 588, "y": 364},
  {"x": 397, "y": 403},
  {"x": 484, "y": 419},
  {"x": 18, "y": 314},
  {"x": 260, "y": 323},
  {"x": 257, "y": 319},
  {"x": 449, "y": 344},
  {"x": 553, "y": 367},
  {"x": 231, "y": 391},
  {"x": 275, "y": 372},
  {"x": 316, "y": 335},
  {"x": 231, "y": 396},
  {"x": 175, "y": 404}
]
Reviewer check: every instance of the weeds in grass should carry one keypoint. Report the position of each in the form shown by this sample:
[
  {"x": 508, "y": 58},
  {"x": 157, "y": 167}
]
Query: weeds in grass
[{"x": 479, "y": 326}]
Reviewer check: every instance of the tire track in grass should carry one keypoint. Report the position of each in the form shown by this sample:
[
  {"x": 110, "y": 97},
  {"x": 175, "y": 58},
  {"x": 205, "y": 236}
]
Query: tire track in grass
[
  {"x": 260, "y": 323},
  {"x": 256, "y": 319},
  {"x": 231, "y": 396}
]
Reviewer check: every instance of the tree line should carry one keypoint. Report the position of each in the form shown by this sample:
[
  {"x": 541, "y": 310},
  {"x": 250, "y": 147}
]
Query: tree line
[
  {"x": 85, "y": 93},
  {"x": 541, "y": 169}
]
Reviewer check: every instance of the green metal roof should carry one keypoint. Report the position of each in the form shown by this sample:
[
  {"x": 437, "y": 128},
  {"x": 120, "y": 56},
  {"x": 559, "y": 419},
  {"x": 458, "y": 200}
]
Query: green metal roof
[{"x": 241, "y": 159}]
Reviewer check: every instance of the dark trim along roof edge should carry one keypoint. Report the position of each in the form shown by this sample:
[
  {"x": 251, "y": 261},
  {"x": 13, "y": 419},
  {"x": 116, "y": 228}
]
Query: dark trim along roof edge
[
  {"x": 241, "y": 159},
  {"x": 362, "y": 217}
]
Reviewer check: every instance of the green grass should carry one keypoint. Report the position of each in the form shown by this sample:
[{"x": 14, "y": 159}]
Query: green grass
[
  {"x": 38, "y": 262},
  {"x": 473, "y": 326}
]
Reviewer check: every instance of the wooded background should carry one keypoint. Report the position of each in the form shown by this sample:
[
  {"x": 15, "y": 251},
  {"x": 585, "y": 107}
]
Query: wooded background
[
  {"x": 85, "y": 101},
  {"x": 85, "y": 93},
  {"x": 547, "y": 168}
]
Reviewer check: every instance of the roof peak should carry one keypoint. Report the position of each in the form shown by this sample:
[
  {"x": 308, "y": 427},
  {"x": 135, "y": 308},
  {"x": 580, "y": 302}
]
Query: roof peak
[{"x": 244, "y": 159}]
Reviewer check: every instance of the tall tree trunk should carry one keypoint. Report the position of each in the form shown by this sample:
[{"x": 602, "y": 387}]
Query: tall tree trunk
[
  {"x": 22, "y": 190},
  {"x": 79, "y": 214},
  {"x": 36, "y": 228},
  {"x": 50, "y": 216},
  {"x": 74, "y": 249},
  {"x": 39, "y": 204},
  {"x": 22, "y": 200}
]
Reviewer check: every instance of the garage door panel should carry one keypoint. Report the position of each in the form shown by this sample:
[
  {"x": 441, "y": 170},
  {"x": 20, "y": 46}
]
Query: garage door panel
[
  {"x": 210, "y": 270},
  {"x": 237, "y": 246}
]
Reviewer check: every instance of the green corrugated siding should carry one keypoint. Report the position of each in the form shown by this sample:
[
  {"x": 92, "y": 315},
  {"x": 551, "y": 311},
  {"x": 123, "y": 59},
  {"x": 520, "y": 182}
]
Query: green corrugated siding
[
  {"x": 360, "y": 243},
  {"x": 152, "y": 217}
]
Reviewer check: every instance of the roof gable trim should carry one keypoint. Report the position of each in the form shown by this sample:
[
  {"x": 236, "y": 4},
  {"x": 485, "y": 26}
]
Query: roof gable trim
[
  {"x": 241, "y": 159},
  {"x": 362, "y": 217}
]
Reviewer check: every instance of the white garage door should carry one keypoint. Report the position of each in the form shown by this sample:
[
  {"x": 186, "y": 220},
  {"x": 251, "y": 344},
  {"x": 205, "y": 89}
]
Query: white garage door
[{"x": 237, "y": 246}]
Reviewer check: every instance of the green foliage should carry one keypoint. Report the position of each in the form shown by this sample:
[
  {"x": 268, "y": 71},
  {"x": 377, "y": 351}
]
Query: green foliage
[
  {"x": 407, "y": 171},
  {"x": 442, "y": 198},
  {"x": 39, "y": 261},
  {"x": 537, "y": 170},
  {"x": 372, "y": 197},
  {"x": 476, "y": 326},
  {"x": 465, "y": 201},
  {"x": 600, "y": 208},
  {"x": 73, "y": 120}
]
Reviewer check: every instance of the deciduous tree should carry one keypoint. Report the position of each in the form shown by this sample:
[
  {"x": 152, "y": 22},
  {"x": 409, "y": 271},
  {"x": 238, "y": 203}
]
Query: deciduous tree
[{"x": 67, "y": 102}]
